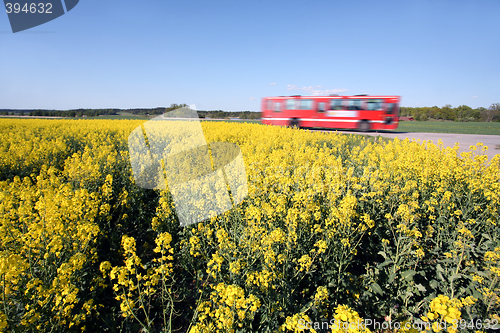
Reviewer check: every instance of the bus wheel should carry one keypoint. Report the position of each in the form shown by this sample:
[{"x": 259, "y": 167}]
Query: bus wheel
[
  {"x": 294, "y": 123},
  {"x": 364, "y": 126}
]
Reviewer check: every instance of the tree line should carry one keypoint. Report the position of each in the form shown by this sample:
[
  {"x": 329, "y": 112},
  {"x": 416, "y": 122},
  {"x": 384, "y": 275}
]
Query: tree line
[
  {"x": 447, "y": 112},
  {"x": 217, "y": 114},
  {"x": 60, "y": 113}
]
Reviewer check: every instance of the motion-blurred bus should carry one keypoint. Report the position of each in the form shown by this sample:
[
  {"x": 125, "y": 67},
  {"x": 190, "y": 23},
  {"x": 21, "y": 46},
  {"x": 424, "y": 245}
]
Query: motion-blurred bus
[{"x": 361, "y": 112}]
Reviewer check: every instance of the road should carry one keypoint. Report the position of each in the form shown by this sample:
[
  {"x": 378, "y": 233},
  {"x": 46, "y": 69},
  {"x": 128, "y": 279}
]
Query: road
[{"x": 464, "y": 140}]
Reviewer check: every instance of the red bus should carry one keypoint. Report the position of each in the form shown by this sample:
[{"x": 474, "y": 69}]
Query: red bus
[{"x": 360, "y": 112}]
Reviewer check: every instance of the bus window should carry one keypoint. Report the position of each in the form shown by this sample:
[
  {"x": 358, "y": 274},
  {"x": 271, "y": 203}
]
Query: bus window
[
  {"x": 390, "y": 108},
  {"x": 306, "y": 104},
  {"x": 354, "y": 104},
  {"x": 290, "y": 104},
  {"x": 321, "y": 107},
  {"x": 277, "y": 107},
  {"x": 269, "y": 104},
  {"x": 374, "y": 104},
  {"x": 336, "y": 104}
]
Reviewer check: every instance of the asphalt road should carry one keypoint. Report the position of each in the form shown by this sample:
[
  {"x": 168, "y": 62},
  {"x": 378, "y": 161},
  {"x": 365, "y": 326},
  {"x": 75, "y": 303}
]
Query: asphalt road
[{"x": 464, "y": 140}]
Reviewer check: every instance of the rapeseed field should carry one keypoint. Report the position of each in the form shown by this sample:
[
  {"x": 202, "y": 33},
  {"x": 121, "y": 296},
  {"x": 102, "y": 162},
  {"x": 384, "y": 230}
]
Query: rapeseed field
[{"x": 335, "y": 229}]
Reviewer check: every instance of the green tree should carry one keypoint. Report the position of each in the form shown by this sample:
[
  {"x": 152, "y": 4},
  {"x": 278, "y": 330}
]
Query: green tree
[
  {"x": 448, "y": 112},
  {"x": 492, "y": 113},
  {"x": 464, "y": 112},
  {"x": 478, "y": 113}
]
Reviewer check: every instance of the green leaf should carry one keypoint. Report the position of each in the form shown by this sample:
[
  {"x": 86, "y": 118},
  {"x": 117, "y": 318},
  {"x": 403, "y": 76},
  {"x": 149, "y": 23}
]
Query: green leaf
[
  {"x": 421, "y": 273},
  {"x": 385, "y": 263},
  {"x": 421, "y": 287},
  {"x": 482, "y": 273},
  {"x": 391, "y": 278},
  {"x": 383, "y": 254},
  {"x": 455, "y": 276},
  {"x": 376, "y": 288},
  {"x": 408, "y": 275},
  {"x": 486, "y": 236},
  {"x": 434, "y": 284}
]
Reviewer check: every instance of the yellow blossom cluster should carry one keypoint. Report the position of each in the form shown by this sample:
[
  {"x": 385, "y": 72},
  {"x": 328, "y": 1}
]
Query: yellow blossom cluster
[
  {"x": 226, "y": 311},
  {"x": 48, "y": 238},
  {"x": 443, "y": 309},
  {"x": 348, "y": 321},
  {"x": 133, "y": 284}
]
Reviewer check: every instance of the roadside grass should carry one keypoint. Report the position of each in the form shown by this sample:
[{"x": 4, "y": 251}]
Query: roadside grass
[{"x": 485, "y": 128}]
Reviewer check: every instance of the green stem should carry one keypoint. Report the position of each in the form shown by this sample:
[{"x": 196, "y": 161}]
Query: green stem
[
  {"x": 133, "y": 314},
  {"x": 456, "y": 271},
  {"x": 141, "y": 300},
  {"x": 195, "y": 315},
  {"x": 491, "y": 300}
]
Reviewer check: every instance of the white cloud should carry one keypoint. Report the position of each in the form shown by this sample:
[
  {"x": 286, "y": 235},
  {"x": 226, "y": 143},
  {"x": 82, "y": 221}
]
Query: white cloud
[
  {"x": 316, "y": 91},
  {"x": 273, "y": 84},
  {"x": 474, "y": 96},
  {"x": 252, "y": 98}
]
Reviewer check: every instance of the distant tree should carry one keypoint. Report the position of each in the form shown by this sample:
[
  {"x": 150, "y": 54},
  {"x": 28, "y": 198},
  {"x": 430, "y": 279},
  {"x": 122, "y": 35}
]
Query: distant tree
[
  {"x": 448, "y": 112},
  {"x": 492, "y": 113},
  {"x": 434, "y": 111},
  {"x": 254, "y": 115},
  {"x": 475, "y": 115},
  {"x": 464, "y": 112},
  {"x": 478, "y": 113}
]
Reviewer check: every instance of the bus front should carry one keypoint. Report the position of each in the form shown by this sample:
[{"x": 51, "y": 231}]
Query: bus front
[{"x": 391, "y": 116}]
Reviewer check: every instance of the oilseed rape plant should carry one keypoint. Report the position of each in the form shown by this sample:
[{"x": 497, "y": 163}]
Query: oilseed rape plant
[{"x": 334, "y": 228}]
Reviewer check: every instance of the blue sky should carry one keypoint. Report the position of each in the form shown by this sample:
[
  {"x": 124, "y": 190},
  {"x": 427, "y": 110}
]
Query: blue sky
[{"x": 229, "y": 54}]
